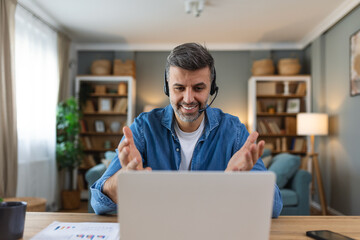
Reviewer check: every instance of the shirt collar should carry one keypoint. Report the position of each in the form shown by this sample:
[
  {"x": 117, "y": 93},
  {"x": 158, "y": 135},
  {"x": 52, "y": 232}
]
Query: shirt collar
[{"x": 211, "y": 122}]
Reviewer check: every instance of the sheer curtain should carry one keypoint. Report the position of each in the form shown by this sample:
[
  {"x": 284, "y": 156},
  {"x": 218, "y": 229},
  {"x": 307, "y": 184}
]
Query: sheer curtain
[{"x": 36, "y": 74}]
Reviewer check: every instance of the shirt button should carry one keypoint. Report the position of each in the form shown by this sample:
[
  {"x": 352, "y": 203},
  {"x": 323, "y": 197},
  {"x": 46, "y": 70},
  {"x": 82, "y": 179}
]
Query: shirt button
[{"x": 177, "y": 149}]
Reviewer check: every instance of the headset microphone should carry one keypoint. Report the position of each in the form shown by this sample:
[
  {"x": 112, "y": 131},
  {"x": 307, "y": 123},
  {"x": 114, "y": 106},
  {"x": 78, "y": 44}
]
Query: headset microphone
[{"x": 203, "y": 109}]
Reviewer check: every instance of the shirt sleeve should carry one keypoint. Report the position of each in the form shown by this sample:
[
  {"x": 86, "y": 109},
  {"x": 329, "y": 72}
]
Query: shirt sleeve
[
  {"x": 101, "y": 203},
  {"x": 243, "y": 134}
]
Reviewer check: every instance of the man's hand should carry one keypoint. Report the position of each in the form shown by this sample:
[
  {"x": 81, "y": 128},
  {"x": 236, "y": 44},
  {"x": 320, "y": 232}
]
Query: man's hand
[
  {"x": 247, "y": 156},
  {"x": 129, "y": 155},
  {"x": 130, "y": 159}
]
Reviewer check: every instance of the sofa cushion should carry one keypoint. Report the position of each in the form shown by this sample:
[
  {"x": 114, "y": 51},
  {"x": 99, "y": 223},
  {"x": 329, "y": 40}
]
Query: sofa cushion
[
  {"x": 289, "y": 197},
  {"x": 284, "y": 165}
]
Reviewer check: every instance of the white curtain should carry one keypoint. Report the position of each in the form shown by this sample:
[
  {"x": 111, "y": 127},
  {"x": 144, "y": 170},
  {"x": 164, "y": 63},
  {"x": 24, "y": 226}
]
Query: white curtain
[{"x": 36, "y": 74}]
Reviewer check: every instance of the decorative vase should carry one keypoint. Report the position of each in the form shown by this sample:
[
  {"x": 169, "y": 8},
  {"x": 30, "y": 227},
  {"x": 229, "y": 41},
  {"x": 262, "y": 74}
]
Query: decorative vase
[{"x": 115, "y": 126}]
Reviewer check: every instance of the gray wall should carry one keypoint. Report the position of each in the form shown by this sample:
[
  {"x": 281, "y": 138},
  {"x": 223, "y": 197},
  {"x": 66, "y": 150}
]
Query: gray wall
[
  {"x": 340, "y": 152},
  {"x": 233, "y": 69}
]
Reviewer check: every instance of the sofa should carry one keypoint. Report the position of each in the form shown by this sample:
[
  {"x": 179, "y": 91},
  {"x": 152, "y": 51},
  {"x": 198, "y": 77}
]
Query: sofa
[
  {"x": 294, "y": 183},
  {"x": 94, "y": 173}
]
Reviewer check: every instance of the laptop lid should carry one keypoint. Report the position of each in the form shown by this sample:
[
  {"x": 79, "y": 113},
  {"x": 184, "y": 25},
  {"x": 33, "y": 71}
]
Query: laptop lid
[{"x": 165, "y": 205}]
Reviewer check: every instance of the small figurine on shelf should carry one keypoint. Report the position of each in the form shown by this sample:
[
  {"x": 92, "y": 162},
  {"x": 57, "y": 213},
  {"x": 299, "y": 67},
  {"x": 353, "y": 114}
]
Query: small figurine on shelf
[
  {"x": 271, "y": 109},
  {"x": 107, "y": 144},
  {"x": 280, "y": 106}
]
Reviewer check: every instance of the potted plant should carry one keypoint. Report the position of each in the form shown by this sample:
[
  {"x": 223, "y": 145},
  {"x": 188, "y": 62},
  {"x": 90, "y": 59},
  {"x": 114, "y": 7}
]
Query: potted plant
[{"x": 68, "y": 150}]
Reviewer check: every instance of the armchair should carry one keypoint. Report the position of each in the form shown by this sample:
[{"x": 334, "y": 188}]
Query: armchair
[{"x": 294, "y": 183}]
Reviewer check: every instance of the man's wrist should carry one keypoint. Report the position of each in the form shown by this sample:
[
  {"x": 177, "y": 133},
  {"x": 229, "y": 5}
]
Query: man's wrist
[{"x": 109, "y": 188}]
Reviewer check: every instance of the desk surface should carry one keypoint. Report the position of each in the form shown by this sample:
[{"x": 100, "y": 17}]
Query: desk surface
[{"x": 285, "y": 227}]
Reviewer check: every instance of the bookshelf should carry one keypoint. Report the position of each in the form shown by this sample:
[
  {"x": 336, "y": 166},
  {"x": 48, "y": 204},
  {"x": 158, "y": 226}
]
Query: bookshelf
[
  {"x": 273, "y": 104},
  {"x": 107, "y": 103}
]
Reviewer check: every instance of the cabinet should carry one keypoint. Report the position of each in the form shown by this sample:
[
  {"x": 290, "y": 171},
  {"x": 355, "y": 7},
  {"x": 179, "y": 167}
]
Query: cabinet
[
  {"x": 273, "y": 103},
  {"x": 107, "y": 103}
]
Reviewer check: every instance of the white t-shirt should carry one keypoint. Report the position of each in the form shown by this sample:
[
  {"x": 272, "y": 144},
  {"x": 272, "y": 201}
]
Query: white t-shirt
[{"x": 188, "y": 141}]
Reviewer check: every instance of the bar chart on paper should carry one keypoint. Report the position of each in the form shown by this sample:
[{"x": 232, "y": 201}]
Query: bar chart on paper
[{"x": 77, "y": 231}]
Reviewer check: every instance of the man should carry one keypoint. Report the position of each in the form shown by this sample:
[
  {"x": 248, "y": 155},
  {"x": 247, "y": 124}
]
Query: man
[{"x": 185, "y": 135}]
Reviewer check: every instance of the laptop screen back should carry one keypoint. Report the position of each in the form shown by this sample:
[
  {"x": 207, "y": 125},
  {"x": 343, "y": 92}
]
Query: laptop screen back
[{"x": 195, "y": 205}]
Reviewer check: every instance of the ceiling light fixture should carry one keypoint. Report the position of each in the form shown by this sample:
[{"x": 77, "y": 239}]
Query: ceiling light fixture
[{"x": 194, "y": 6}]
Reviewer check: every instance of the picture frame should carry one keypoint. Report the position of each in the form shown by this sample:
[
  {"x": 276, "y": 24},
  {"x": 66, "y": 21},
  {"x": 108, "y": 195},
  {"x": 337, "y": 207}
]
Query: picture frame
[
  {"x": 105, "y": 105},
  {"x": 355, "y": 64},
  {"x": 293, "y": 105},
  {"x": 99, "y": 126}
]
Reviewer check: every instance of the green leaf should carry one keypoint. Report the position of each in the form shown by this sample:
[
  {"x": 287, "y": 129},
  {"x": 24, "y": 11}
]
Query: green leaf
[{"x": 69, "y": 151}]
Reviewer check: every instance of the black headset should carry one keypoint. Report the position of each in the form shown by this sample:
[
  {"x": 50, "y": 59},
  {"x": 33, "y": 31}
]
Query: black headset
[{"x": 214, "y": 88}]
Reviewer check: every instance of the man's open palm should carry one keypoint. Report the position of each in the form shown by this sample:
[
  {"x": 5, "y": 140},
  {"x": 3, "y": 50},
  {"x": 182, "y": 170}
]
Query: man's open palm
[
  {"x": 247, "y": 156},
  {"x": 129, "y": 155}
]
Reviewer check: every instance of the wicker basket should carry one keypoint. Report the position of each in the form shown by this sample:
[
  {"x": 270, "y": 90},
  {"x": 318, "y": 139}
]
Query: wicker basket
[
  {"x": 126, "y": 68},
  {"x": 263, "y": 67},
  {"x": 289, "y": 66},
  {"x": 101, "y": 67},
  {"x": 34, "y": 204}
]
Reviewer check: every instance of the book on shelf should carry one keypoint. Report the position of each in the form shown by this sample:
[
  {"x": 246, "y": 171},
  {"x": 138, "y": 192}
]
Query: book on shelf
[
  {"x": 121, "y": 105},
  {"x": 299, "y": 144},
  {"x": 259, "y": 106},
  {"x": 87, "y": 142},
  {"x": 91, "y": 161},
  {"x": 284, "y": 144},
  {"x": 290, "y": 125},
  {"x": 83, "y": 126},
  {"x": 301, "y": 89},
  {"x": 100, "y": 89},
  {"x": 266, "y": 88},
  {"x": 268, "y": 127},
  {"x": 269, "y": 146},
  {"x": 274, "y": 127},
  {"x": 88, "y": 161},
  {"x": 89, "y": 107},
  {"x": 262, "y": 127},
  {"x": 278, "y": 144}
]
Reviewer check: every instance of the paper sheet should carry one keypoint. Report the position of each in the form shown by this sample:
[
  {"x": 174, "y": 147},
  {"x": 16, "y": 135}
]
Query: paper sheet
[{"x": 82, "y": 230}]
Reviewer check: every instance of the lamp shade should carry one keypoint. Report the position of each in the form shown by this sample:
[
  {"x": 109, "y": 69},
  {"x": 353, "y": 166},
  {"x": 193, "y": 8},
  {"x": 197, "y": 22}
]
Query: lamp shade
[{"x": 312, "y": 124}]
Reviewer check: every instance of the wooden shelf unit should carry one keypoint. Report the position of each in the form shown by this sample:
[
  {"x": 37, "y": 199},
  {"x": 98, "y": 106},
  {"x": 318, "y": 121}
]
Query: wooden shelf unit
[
  {"x": 97, "y": 140},
  {"x": 268, "y": 97}
]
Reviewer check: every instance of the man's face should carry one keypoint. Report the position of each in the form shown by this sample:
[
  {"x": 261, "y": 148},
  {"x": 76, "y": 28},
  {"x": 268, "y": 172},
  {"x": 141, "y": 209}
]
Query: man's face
[{"x": 189, "y": 92}]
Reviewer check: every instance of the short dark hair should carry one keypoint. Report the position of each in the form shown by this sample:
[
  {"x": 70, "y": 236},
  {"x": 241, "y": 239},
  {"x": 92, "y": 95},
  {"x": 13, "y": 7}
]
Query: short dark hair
[{"x": 190, "y": 56}]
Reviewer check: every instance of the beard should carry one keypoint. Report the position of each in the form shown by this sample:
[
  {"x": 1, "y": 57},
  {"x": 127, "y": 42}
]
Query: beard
[{"x": 188, "y": 117}]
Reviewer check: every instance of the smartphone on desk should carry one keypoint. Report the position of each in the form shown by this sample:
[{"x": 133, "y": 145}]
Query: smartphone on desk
[{"x": 327, "y": 235}]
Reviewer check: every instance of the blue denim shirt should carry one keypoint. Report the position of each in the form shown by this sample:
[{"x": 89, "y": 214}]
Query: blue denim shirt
[{"x": 155, "y": 138}]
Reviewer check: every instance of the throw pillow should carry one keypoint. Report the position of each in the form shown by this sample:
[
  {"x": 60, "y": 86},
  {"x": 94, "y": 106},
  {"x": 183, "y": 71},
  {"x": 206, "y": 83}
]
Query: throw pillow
[
  {"x": 266, "y": 157},
  {"x": 109, "y": 155},
  {"x": 266, "y": 160},
  {"x": 284, "y": 165}
]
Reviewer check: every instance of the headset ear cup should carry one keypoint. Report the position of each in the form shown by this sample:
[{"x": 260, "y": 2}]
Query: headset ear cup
[
  {"x": 214, "y": 88},
  {"x": 166, "y": 88},
  {"x": 166, "y": 85}
]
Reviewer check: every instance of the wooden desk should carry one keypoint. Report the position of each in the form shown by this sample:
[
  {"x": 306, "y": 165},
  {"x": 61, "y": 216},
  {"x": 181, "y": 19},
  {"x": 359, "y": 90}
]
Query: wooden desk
[{"x": 285, "y": 227}]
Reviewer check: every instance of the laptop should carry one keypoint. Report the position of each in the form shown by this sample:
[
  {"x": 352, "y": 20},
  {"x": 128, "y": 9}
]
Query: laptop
[{"x": 172, "y": 205}]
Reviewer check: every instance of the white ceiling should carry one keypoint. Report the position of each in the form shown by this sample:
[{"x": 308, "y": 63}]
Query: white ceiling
[{"x": 162, "y": 24}]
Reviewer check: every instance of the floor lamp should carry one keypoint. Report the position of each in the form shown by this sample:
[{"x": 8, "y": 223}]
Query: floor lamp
[{"x": 312, "y": 124}]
